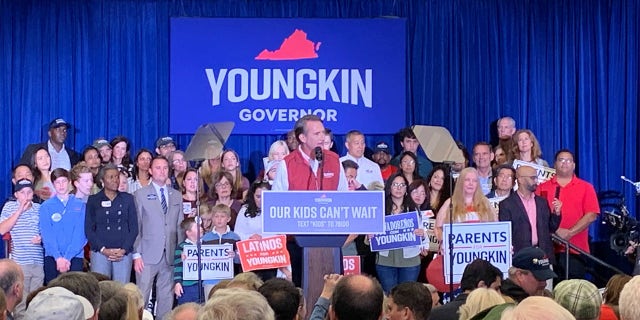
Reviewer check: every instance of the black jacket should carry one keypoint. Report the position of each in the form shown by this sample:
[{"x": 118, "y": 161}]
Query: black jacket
[
  {"x": 509, "y": 288},
  {"x": 449, "y": 311}
]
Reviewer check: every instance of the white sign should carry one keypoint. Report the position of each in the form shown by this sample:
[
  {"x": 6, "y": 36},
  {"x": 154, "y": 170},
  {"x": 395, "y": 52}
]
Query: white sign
[
  {"x": 544, "y": 173},
  {"x": 489, "y": 241},
  {"x": 428, "y": 223},
  {"x": 215, "y": 262}
]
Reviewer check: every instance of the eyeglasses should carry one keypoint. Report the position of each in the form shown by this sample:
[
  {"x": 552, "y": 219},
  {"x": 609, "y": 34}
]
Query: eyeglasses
[
  {"x": 418, "y": 193},
  {"x": 398, "y": 185},
  {"x": 408, "y": 162},
  {"x": 565, "y": 160},
  {"x": 505, "y": 176},
  {"x": 222, "y": 184}
]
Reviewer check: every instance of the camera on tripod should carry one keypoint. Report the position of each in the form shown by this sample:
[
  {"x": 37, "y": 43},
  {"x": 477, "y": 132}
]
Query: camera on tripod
[{"x": 616, "y": 215}]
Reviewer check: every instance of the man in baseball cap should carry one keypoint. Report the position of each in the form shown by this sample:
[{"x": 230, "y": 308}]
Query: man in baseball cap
[
  {"x": 58, "y": 303},
  {"x": 104, "y": 148},
  {"x": 164, "y": 146},
  {"x": 382, "y": 156},
  {"x": 528, "y": 275},
  {"x": 62, "y": 156}
]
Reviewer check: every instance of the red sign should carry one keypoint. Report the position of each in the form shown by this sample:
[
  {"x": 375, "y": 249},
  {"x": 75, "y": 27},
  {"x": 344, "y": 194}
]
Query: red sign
[
  {"x": 266, "y": 253},
  {"x": 351, "y": 265}
]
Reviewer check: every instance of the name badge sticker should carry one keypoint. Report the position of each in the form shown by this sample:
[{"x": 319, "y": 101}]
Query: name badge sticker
[
  {"x": 152, "y": 197},
  {"x": 106, "y": 204}
]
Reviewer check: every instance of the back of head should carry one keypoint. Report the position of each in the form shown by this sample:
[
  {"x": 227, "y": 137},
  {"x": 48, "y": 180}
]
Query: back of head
[
  {"x": 478, "y": 300},
  {"x": 246, "y": 280},
  {"x": 476, "y": 271},
  {"x": 58, "y": 303},
  {"x": 580, "y": 297},
  {"x": 537, "y": 308},
  {"x": 357, "y": 297},
  {"x": 3, "y": 304},
  {"x": 80, "y": 283},
  {"x": 236, "y": 304},
  {"x": 414, "y": 296},
  {"x": 9, "y": 274},
  {"x": 629, "y": 301},
  {"x": 283, "y": 297},
  {"x": 113, "y": 305},
  {"x": 135, "y": 301},
  {"x": 184, "y": 311}
]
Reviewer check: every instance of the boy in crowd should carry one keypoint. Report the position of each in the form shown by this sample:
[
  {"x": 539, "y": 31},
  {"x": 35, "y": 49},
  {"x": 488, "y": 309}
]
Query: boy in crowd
[
  {"x": 221, "y": 234},
  {"x": 186, "y": 290}
]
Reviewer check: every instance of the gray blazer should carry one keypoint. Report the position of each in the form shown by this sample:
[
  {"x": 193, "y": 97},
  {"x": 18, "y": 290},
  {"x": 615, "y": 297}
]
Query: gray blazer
[{"x": 158, "y": 232}]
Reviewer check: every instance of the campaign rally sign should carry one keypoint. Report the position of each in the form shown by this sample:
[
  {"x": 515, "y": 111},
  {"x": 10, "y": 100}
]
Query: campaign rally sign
[
  {"x": 263, "y": 73},
  {"x": 215, "y": 262},
  {"x": 490, "y": 241},
  {"x": 351, "y": 265},
  {"x": 544, "y": 173},
  {"x": 399, "y": 232},
  {"x": 430, "y": 241},
  {"x": 323, "y": 212},
  {"x": 266, "y": 253}
]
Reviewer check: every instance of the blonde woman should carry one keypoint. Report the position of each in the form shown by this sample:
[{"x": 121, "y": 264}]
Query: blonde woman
[
  {"x": 469, "y": 204},
  {"x": 478, "y": 300}
]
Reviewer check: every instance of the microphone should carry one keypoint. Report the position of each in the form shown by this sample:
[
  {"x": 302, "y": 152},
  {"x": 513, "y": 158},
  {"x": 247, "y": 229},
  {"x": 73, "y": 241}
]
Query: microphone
[
  {"x": 635, "y": 184},
  {"x": 318, "y": 152},
  {"x": 557, "y": 196}
]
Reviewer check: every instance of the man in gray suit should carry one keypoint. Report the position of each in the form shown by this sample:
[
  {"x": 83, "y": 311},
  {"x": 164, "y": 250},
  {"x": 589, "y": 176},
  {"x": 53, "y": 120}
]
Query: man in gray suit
[{"x": 159, "y": 216}]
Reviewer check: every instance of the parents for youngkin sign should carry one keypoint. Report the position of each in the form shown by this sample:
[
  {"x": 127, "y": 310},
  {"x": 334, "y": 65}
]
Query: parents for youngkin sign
[{"x": 264, "y": 74}]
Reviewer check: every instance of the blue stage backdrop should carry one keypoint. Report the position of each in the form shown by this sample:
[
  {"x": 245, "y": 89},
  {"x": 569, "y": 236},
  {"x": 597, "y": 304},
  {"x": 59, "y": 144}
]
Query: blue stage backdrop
[{"x": 264, "y": 74}]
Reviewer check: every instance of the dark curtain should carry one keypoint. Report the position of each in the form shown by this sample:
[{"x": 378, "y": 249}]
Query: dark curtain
[{"x": 568, "y": 70}]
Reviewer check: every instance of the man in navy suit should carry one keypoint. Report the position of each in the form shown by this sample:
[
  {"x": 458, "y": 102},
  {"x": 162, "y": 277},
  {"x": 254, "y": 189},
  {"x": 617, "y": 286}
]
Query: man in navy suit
[
  {"x": 532, "y": 221},
  {"x": 159, "y": 210}
]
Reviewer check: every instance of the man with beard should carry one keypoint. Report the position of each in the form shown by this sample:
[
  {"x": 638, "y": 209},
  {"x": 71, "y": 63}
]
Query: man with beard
[
  {"x": 382, "y": 156},
  {"x": 506, "y": 129},
  {"x": 532, "y": 222}
]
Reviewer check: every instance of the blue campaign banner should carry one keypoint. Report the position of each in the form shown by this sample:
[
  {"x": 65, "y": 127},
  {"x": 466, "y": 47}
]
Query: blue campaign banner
[
  {"x": 323, "y": 212},
  {"x": 263, "y": 74},
  {"x": 399, "y": 232}
]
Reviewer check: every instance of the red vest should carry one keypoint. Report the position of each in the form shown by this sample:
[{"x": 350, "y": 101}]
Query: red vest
[{"x": 302, "y": 178}]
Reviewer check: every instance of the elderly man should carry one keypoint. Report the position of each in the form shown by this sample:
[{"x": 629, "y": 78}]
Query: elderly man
[
  {"x": 528, "y": 274},
  {"x": 506, "y": 129},
  {"x": 12, "y": 284},
  {"x": 580, "y": 208},
  {"x": 61, "y": 156}
]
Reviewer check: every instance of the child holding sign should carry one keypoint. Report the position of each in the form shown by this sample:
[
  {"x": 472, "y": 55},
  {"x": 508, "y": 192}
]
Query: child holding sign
[
  {"x": 186, "y": 290},
  {"x": 221, "y": 234}
]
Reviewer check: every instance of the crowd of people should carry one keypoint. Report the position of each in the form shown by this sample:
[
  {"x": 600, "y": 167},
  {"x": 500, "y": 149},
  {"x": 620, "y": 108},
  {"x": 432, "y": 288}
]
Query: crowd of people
[{"x": 128, "y": 219}]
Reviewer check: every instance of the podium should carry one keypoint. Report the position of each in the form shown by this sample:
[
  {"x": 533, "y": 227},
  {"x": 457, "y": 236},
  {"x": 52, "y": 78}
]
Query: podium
[
  {"x": 321, "y": 222},
  {"x": 321, "y": 255}
]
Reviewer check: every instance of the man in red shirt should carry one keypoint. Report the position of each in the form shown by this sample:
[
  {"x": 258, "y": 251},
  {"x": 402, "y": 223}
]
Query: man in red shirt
[
  {"x": 580, "y": 208},
  {"x": 382, "y": 156}
]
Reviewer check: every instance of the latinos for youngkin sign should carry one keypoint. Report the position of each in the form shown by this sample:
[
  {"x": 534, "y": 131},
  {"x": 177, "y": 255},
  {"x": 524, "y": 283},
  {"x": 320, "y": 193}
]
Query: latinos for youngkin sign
[{"x": 264, "y": 74}]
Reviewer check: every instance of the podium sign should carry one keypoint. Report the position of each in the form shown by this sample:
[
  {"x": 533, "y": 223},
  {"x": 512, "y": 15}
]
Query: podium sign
[{"x": 323, "y": 212}]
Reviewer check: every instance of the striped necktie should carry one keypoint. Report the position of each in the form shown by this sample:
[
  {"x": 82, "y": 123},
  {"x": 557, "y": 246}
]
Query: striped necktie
[{"x": 163, "y": 201}]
